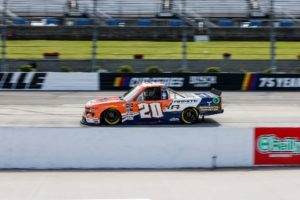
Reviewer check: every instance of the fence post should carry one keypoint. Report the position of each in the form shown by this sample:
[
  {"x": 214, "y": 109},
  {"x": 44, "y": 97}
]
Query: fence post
[
  {"x": 3, "y": 38},
  {"x": 184, "y": 38},
  {"x": 272, "y": 39},
  {"x": 95, "y": 37}
]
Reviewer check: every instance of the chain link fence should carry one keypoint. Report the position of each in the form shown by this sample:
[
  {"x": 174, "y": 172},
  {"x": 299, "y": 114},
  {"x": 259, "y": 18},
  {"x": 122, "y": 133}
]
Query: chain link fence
[{"x": 59, "y": 30}]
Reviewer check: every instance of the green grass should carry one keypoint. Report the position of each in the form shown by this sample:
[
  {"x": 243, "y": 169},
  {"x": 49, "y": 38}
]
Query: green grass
[{"x": 33, "y": 49}]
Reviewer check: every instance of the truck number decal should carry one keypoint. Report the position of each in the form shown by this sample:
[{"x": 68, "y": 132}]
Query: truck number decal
[{"x": 152, "y": 110}]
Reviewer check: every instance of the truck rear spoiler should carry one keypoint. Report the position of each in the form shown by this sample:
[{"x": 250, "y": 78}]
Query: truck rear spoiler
[{"x": 216, "y": 92}]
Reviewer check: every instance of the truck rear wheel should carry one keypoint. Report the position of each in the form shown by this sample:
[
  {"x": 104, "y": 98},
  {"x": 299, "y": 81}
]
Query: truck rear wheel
[{"x": 190, "y": 116}]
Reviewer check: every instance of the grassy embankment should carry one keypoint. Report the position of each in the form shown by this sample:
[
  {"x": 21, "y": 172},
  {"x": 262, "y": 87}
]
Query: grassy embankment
[{"x": 34, "y": 49}]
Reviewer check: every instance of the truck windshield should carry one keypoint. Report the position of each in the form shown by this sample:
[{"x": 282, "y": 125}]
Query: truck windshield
[{"x": 130, "y": 93}]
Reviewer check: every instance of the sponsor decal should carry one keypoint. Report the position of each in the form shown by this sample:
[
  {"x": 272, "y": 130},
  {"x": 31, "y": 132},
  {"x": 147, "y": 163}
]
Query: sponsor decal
[
  {"x": 209, "y": 103},
  {"x": 216, "y": 100},
  {"x": 174, "y": 119},
  {"x": 174, "y": 107},
  {"x": 277, "y": 146},
  {"x": 21, "y": 81},
  {"x": 133, "y": 81},
  {"x": 202, "y": 81},
  {"x": 209, "y": 108},
  {"x": 186, "y": 101},
  {"x": 129, "y": 111}
]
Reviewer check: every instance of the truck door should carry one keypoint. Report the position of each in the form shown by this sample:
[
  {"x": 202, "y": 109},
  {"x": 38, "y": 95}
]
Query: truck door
[{"x": 151, "y": 104}]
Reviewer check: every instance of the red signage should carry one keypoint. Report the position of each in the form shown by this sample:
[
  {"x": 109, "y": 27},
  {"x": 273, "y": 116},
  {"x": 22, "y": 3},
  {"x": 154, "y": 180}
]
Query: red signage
[{"x": 277, "y": 146}]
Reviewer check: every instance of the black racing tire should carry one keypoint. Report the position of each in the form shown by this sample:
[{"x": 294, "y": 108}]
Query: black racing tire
[
  {"x": 111, "y": 117},
  {"x": 189, "y": 116}
]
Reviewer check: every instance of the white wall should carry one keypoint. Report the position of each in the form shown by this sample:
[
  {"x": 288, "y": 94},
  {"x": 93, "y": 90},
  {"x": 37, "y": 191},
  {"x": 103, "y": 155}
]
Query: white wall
[
  {"x": 125, "y": 147},
  {"x": 51, "y": 81},
  {"x": 234, "y": 147},
  {"x": 71, "y": 81}
]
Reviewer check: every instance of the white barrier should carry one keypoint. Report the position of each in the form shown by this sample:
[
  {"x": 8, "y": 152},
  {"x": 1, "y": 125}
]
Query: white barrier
[
  {"x": 125, "y": 147},
  {"x": 49, "y": 81},
  {"x": 71, "y": 81}
]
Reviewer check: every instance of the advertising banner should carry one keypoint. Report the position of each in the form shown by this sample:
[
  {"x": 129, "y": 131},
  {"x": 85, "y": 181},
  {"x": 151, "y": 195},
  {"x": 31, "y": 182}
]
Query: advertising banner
[
  {"x": 178, "y": 81},
  {"x": 271, "y": 82},
  {"x": 123, "y": 81},
  {"x": 277, "y": 146},
  {"x": 22, "y": 81},
  {"x": 50, "y": 81}
]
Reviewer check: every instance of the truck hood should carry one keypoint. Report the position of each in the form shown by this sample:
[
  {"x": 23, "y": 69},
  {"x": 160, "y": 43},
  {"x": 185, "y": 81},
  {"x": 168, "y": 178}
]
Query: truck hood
[{"x": 99, "y": 101}]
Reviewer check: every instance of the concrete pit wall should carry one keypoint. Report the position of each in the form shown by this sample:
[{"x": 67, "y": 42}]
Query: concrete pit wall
[{"x": 126, "y": 147}]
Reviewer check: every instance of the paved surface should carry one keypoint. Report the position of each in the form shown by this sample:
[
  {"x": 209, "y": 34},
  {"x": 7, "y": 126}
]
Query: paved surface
[
  {"x": 279, "y": 184},
  {"x": 64, "y": 109}
]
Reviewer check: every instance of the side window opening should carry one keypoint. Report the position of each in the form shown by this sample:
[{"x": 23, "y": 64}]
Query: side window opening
[{"x": 152, "y": 94}]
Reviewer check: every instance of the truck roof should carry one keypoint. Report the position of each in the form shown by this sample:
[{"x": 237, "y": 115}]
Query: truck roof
[{"x": 151, "y": 84}]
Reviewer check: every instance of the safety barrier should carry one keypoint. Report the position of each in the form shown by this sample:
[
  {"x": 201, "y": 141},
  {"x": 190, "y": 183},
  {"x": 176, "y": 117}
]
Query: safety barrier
[
  {"x": 142, "y": 147},
  {"x": 124, "y": 81},
  {"x": 126, "y": 147}
]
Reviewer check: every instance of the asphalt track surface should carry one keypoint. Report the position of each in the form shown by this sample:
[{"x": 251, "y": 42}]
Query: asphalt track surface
[
  {"x": 64, "y": 109},
  {"x": 243, "y": 184}
]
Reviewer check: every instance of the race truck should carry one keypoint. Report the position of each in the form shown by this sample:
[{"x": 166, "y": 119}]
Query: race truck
[{"x": 152, "y": 103}]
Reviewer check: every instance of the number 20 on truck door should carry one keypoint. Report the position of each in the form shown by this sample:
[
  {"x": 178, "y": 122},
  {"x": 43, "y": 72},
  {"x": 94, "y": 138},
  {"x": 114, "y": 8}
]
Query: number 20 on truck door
[{"x": 152, "y": 110}]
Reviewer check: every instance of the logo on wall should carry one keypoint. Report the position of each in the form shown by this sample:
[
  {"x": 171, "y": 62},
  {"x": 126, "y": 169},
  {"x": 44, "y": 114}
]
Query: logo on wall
[
  {"x": 279, "y": 82},
  {"x": 26, "y": 81},
  {"x": 178, "y": 81},
  {"x": 133, "y": 81},
  {"x": 274, "y": 145},
  {"x": 277, "y": 146},
  {"x": 202, "y": 81},
  {"x": 253, "y": 81},
  {"x": 250, "y": 81}
]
